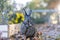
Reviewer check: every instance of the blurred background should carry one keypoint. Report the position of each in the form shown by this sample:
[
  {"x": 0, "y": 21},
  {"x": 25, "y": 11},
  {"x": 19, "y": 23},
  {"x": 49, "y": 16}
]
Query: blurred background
[
  {"x": 40, "y": 19},
  {"x": 12, "y": 6}
]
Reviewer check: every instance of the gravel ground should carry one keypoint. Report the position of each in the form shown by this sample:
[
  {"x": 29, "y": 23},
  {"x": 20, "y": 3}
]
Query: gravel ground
[{"x": 52, "y": 31}]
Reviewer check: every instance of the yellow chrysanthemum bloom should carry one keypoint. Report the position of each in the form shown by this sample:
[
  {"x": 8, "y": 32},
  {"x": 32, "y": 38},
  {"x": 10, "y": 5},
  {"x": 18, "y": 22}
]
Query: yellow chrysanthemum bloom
[
  {"x": 20, "y": 15},
  {"x": 16, "y": 18}
]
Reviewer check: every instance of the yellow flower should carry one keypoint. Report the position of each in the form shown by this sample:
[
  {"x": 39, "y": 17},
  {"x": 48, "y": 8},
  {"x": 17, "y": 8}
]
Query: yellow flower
[
  {"x": 16, "y": 19},
  {"x": 20, "y": 15}
]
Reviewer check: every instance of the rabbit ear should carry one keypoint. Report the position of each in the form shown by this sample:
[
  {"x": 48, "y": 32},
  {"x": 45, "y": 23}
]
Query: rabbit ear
[{"x": 25, "y": 11}]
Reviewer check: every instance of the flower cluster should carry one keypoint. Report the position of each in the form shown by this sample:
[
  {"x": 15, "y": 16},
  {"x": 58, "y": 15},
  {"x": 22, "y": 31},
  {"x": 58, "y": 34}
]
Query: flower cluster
[{"x": 16, "y": 18}]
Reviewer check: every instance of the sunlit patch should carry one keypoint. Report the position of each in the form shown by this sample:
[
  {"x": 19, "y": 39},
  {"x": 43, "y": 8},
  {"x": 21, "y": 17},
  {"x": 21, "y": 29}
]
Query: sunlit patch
[
  {"x": 54, "y": 22},
  {"x": 52, "y": 17}
]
